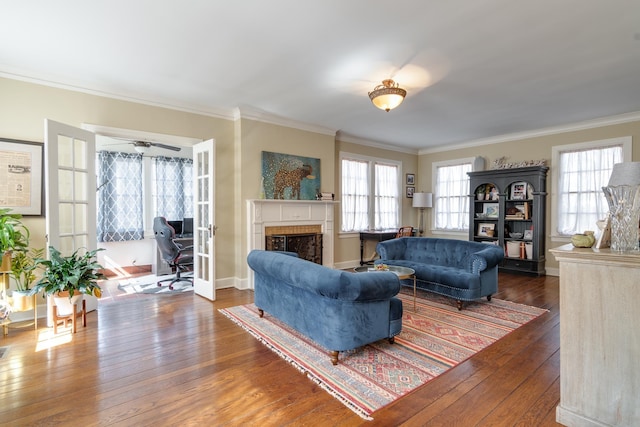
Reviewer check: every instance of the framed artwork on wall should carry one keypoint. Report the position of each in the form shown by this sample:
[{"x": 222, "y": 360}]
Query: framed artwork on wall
[
  {"x": 21, "y": 176},
  {"x": 411, "y": 179},
  {"x": 289, "y": 177},
  {"x": 410, "y": 191}
]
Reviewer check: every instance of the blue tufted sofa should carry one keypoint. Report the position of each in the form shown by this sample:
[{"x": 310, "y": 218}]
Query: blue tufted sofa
[
  {"x": 460, "y": 269},
  {"x": 337, "y": 309}
]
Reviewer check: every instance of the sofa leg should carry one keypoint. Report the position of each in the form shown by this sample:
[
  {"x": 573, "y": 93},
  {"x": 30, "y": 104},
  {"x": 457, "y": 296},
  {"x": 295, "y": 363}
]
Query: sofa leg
[
  {"x": 459, "y": 304},
  {"x": 334, "y": 358},
  {"x": 392, "y": 340},
  {"x": 261, "y": 312},
  {"x": 488, "y": 297}
]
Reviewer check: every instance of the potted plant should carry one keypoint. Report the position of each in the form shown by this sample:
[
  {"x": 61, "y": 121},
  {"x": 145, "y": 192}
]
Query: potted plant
[
  {"x": 67, "y": 278},
  {"x": 23, "y": 265},
  {"x": 14, "y": 237}
]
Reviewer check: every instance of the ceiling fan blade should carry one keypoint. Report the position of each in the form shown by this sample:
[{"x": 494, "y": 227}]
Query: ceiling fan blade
[{"x": 166, "y": 147}]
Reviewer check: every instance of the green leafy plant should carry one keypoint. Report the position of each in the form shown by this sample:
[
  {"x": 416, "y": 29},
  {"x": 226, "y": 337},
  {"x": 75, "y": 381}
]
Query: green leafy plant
[
  {"x": 14, "y": 236},
  {"x": 76, "y": 273},
  {"x": 23, "y": 265}
]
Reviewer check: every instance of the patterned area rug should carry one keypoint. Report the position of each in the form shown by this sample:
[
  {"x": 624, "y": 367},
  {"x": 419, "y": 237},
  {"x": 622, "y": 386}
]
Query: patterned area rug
[
  {"x": 149, "y": 285},
  {"x": 434, "y": 339}
]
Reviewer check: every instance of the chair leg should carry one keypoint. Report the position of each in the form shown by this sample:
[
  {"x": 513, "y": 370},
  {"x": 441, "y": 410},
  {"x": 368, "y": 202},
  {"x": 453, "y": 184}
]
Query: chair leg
[
  {"x": 73, "y": 319},
  {"x": 84, "y": 313},
  {"x": 55, "y": 320}
]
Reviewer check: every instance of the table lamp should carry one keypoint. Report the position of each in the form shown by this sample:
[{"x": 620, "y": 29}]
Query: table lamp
[{"x": 421, "y": 201}]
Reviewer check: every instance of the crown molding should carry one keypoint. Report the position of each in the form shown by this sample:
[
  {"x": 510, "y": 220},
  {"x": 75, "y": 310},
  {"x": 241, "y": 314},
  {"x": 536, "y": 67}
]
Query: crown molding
[
  {"x": 572, "y": 127},
  {"x": 341, "y": 136},
  {"x": 210, "y": 112},
  {"x": 251, "y": 113}
]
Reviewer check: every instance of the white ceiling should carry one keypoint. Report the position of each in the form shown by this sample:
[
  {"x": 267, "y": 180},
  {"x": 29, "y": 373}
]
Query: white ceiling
[{"x": 473, "y": 69}]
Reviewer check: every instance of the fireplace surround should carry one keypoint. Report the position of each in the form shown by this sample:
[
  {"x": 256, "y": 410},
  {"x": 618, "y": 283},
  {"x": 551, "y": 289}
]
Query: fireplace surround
[{"x": 268, "y": 217}]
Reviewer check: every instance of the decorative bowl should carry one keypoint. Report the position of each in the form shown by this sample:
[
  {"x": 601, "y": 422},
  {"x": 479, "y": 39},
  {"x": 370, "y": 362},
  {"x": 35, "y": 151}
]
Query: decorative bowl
[{"x": 516, "y": 235}]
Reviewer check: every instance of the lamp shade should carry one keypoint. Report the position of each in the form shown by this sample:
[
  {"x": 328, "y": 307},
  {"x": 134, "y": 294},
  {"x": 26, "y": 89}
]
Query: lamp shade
[
  {"x": 626, "y": 173},
  {"x": 422, "y": 200}
]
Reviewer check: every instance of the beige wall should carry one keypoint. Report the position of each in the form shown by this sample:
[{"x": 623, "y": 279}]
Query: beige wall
[
  {"x": 239, "y": 143},
  {"x": 24, "y": 106},
  {"x": 256, "y": 137},
  {"x": 533, "y": 149}
]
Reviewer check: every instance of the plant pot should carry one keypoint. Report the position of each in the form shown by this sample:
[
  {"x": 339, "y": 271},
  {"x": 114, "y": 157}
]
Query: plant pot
[
  {"x": 65, "y": 304},
  {"x": 5, "y": 267},
  {"x": 22, "y": 301}
]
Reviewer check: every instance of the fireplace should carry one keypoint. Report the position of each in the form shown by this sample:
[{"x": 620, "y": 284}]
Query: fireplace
[
  {"x": 306, "y": 241},
  {"x": 268, "y": 217}
]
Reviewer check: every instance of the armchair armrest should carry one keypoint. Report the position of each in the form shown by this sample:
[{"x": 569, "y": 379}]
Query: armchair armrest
[
  {"x": 486, "y": 258},
  {"x": 392, "y": 249}
]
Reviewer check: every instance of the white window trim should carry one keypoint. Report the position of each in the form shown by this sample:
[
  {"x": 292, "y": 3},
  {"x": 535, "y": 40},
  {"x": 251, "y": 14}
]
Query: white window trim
[
  {"x": 434, "y": 176},
  {"x": 372, "y": 160},
  {"x": 556, "y": 150}
]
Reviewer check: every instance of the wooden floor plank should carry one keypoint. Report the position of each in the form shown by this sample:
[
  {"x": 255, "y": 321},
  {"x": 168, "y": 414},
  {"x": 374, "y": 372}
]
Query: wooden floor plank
[{"x": 159, "y": 360}]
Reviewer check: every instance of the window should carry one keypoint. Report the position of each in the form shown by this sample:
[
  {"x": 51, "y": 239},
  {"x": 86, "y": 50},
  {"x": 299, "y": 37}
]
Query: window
[
  {"x": 122, "y": 199},
  {"x": 370, "y": 193},
  {"x": 451, "y": 194},
  {"x": 173, "y": 188},
  {"x": 582, "y": 170}
]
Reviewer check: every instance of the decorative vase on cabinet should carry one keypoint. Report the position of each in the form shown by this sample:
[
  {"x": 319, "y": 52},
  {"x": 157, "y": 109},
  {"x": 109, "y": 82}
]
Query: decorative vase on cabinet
[{"x": 515, "y": 212}]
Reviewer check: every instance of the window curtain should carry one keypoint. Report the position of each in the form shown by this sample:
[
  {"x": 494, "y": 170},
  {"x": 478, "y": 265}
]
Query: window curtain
[
  {"x": 452, "y": 197},
  {"x": 173, "y": 187},
  {"x": 355, "y": 195},
  {"x": 120, "y": 198},
  {"x": 386, "y": 197},
  {"x": 582, "y": 174}
]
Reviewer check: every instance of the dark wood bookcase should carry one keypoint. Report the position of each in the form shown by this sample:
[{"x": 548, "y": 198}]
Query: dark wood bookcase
[{"x": 507, "y": 208}]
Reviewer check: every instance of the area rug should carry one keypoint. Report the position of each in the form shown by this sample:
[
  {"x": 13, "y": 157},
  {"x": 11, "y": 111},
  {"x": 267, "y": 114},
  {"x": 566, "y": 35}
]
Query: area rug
[
  {"x": 434, "y": 338},
  {"x": 149, "y": 285}
]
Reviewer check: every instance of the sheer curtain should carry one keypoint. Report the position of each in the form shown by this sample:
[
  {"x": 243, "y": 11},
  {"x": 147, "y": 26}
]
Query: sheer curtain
[
  {"x": 173, "y": 187},
  {"x": 452, "y": 197},
  {"x": 582, "y": 174},
  {"x": 120, "y": 197},
  {"x": 386, "y": 197},
  {"x": 355, "y": 195}
]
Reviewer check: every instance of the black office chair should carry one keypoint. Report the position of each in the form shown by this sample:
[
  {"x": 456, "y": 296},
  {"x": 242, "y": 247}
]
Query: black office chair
[{"x": 177, "y": 256}]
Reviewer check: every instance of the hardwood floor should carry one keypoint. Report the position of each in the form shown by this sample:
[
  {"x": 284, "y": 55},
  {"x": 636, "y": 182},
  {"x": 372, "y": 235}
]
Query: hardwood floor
[{"x": 174, "y": 360}]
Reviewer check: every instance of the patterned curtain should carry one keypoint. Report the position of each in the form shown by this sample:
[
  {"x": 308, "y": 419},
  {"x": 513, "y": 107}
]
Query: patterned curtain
[
  {"x": 173, "y": 188},
  {"x": 120, "y": 197}
]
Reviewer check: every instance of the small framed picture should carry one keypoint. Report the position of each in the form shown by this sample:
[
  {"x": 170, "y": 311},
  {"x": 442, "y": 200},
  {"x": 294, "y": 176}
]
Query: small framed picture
[
  {"x": 411, "y": 179},
  {"x": 519, "y": 191},
  {"x": 528, "y": 234},
  {"x": 486, "y": 229},
  {"x": 410, "y": 191},
  {"x": 491, "y": 210}
]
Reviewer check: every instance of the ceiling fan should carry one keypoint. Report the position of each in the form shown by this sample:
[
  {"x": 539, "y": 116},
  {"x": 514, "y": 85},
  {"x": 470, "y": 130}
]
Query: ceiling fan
[{"x": 142, "y": 146}]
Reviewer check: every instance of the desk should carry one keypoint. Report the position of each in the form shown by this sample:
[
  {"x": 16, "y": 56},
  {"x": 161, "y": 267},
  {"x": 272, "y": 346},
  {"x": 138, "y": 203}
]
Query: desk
[
  {"x": 378, "y": 236},
  {"x": 159, "y": 267}
]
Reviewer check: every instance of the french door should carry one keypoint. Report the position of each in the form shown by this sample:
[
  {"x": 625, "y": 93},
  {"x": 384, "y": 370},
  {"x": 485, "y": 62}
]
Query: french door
[
  {"x": 70, "y": 192},
  {"x": 204, "y": 219}
]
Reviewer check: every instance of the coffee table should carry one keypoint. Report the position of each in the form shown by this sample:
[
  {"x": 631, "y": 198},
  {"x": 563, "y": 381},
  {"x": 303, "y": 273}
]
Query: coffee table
[{"x": 402, "y": 273}]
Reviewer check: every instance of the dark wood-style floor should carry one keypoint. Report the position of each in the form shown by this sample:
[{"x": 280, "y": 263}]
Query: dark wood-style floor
[{"x": 174, "y": 360}]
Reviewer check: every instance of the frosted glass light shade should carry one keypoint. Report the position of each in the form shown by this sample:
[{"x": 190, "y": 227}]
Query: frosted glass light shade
[{"x": 388, "y": 95}]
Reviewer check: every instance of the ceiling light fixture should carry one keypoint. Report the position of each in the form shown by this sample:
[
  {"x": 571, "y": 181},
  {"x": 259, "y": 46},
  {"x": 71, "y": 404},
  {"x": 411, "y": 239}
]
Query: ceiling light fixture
[{"x": 388, "y": 95}]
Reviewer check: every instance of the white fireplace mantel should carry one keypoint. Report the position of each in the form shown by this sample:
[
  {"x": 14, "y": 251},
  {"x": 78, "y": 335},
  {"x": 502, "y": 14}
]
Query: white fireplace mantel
[{"x": 264, "y": 213}]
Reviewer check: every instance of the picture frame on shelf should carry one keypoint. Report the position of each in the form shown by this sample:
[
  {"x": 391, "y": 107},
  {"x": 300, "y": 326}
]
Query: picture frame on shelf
[
  {"x": 411, "y": 179},
  {"x": 518, "y": 191},
  {"x": 410, "y": 191},
  {"x": 486, "y": 229},
  {"x": 491, "y": 210},
  {"x": 528, "y": 234}
]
